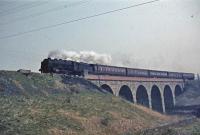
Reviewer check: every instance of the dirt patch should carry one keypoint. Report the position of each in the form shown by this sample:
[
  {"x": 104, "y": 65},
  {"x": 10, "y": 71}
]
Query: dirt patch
[
  {"x": 59, "y": 85},
  {"x": 93, "y": 125},
  {"x": 56, "y": 131},
  {"x": 35, "y": 111},
  {"x": 124, "y": 125},
  {"x": 73, "y": 115},
  {"x": 19, "y": 86}
]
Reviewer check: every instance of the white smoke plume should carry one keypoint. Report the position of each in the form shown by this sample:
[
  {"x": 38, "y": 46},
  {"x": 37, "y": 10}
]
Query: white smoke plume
[{"x": 82, "y": 56}]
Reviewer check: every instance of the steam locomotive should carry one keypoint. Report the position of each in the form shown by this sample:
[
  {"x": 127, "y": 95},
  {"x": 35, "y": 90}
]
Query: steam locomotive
[{"x": 80, "y": 68}]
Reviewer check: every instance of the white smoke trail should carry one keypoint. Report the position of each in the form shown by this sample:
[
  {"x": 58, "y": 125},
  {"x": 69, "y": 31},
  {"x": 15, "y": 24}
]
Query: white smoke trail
[{"x": 82, "y": 56}]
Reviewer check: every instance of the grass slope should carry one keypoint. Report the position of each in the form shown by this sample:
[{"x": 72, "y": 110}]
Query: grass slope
[
  {"x": 58, "y": 105},
  {"x": 191, "y": 96}
]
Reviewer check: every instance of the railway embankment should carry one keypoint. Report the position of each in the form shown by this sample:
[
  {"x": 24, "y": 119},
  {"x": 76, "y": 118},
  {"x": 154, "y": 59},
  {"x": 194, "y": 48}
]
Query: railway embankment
[{"x": 56, "y": 105}]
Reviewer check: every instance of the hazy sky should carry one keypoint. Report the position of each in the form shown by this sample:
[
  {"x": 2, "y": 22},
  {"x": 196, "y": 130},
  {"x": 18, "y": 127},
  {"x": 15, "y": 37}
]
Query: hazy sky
[{"x": 163, "y": 35}]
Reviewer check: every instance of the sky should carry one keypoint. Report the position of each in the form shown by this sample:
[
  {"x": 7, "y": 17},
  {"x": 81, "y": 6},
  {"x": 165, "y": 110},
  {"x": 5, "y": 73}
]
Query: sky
[{"x": 164, "y": 35}]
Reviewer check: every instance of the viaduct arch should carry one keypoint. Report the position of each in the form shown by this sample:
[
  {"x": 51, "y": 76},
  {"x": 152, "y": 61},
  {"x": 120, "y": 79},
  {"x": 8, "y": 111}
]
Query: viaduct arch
[
  {"x": 159, "y": 96},
  {"x": 168, "y": 98},
  {"x": 178, "y": 90},
  {"x": 142, "y": 97},
  {"x": 107, "y": 88},
  {"x": 156, "y": 99},
  {"x": 125, "y": 92}
]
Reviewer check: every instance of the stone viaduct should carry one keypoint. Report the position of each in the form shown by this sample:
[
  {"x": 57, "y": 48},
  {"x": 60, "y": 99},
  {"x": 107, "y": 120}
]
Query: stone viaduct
[{"x": 158, "y": 94}]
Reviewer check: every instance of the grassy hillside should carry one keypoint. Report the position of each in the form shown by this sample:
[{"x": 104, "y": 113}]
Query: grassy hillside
[
  {"x": 191, "y": 96},
  {"x": 58, "y": 105}
]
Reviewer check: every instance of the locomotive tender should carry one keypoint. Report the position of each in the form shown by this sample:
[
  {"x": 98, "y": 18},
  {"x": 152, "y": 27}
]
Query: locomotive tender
[{"x": 79, "y": 68}]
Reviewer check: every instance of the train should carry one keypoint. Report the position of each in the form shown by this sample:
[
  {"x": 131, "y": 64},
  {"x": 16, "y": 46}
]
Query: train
[{"x": 69, "y": 67}]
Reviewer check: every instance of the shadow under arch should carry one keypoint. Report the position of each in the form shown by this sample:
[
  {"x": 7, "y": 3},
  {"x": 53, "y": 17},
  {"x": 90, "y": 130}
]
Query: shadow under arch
[
  {"x": 168, "y": 99},
  {"x": 178, "y": 91},
  {"x": 125, "y": 92},
  {"x": 107, "y": 88},
  {"x": 156, "y": 99},
  {"x": 142, "y": 97}
]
